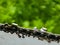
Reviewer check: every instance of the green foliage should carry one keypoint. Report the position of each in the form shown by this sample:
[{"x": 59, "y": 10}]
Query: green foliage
[{"x": 30, "y": 13}]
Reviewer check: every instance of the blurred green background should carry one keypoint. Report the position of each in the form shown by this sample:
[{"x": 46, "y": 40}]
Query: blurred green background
[{"x": 31, "y": 13}]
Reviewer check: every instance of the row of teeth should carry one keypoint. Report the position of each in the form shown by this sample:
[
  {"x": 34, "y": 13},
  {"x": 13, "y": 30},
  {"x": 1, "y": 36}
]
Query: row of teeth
[{"x": 22, "y": 32}]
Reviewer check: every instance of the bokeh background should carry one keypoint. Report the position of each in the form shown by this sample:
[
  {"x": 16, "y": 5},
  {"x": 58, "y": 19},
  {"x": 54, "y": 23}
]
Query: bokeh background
[{"x": 31, "y": 13}]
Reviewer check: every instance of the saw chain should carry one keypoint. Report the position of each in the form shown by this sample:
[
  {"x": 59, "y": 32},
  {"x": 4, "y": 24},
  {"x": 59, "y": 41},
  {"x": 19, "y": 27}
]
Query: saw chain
[{"x": 22, "y": 32}]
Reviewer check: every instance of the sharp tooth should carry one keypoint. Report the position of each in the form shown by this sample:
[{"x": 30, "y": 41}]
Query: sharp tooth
[
  {"x": 43, "y": 29},
  {"x": 14, "y": 24},
  {"x": 35, "y": 29}
]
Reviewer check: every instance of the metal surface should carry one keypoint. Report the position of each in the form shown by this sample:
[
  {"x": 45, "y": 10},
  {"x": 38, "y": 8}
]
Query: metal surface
[{"x": 12, "y": 39}]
